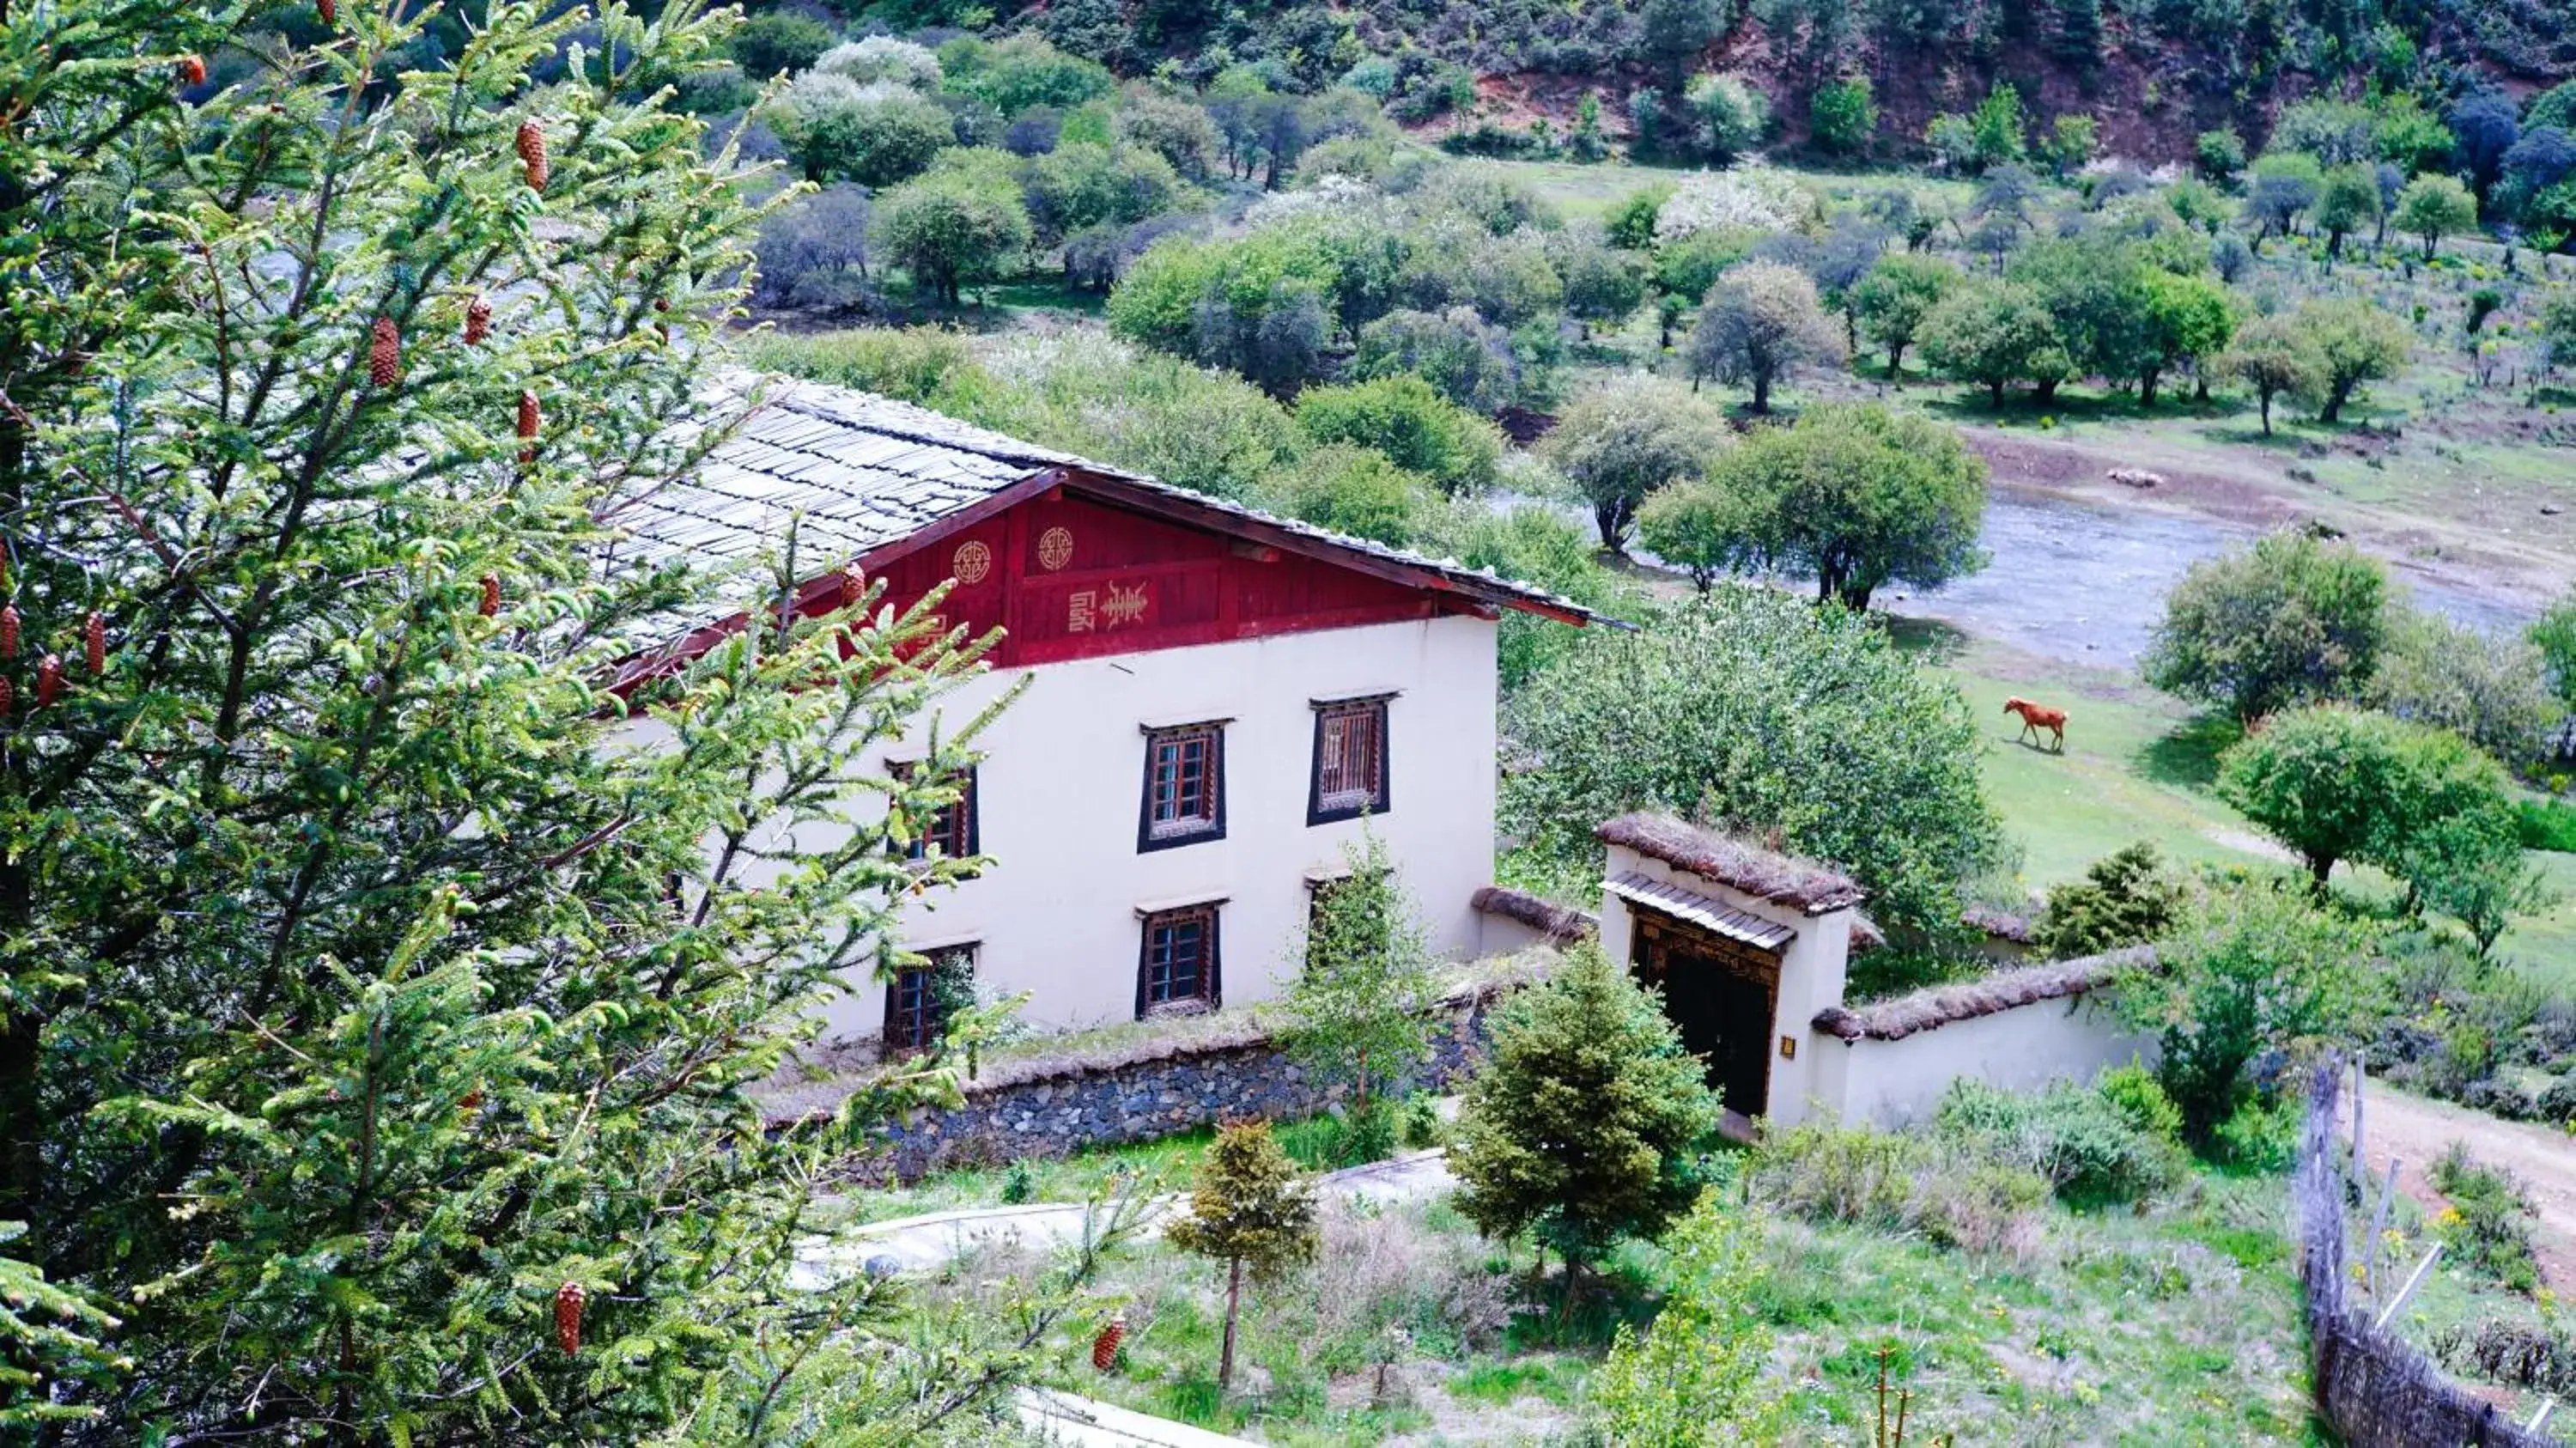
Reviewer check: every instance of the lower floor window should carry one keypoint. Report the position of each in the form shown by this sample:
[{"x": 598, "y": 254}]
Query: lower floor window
[
  {"x": 920, "y": 999},
  {"x": 1178, "y": 969}
]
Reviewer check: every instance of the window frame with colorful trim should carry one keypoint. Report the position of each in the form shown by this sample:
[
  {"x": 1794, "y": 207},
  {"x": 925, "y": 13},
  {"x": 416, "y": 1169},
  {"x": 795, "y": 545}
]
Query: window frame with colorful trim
[
  {"x": 915, "y": 1021},
  {"x": 1200, "y": 826},
  {"x": 1323, "y": 807},
  {"x": 1210, "y": 992}
]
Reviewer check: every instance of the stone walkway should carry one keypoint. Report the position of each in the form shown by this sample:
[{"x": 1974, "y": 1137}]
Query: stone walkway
[{"x": 914, "y": 1244}]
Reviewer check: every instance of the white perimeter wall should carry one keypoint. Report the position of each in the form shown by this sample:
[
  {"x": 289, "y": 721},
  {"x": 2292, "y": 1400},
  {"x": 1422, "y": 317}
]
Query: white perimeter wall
[
  {"x": 1061, "y": 786},
  {"x": 1893, "y": 1083}
]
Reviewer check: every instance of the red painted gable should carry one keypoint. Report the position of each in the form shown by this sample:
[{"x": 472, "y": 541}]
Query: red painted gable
[{"x": 1070, "y": 577}]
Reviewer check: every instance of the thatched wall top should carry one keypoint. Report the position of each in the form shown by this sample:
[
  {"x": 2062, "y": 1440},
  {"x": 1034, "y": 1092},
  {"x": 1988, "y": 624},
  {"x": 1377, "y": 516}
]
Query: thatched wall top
[
  {"x": 1760, "y": 873},
  {"x": 1933, "y": 1007}
]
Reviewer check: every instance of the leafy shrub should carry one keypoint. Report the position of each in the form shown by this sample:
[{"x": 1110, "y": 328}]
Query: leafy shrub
[
  {"x": 2082, "y": 1145},
  {"x": 1406, "y": 419},
  {"x": 1991, "y": 1207},
  {"x": 929, "y": 365},
  {"x": 1420, "y": 1126},
  {"x": 2547, "y": 824},
  {"x": 2489, "y": 1219},
  {"x": 2125, "y": 898},
  {"x": 882, "y": 57},
  {"x": 876, "y": 135},
  {"x": 2140, "y": 1098},
  {"x": 1019, "y": 1184},
  {"x": 1471, "y": 361},
  {"x": 775, "y": 42},
  {"x": 1825, "y": 1171},
  {"x": 2260, "y": 1136}
]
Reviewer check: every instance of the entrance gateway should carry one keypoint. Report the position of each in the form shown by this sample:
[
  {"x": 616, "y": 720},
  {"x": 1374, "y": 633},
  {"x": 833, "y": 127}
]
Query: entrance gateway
[{"x": 1720, "y": 979}]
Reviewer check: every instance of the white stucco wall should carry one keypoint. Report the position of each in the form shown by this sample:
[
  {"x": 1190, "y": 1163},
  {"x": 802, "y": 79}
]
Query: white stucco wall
[
  {"x": 1060, "y": 787},
  {"x": 1893, "y": 1083}
]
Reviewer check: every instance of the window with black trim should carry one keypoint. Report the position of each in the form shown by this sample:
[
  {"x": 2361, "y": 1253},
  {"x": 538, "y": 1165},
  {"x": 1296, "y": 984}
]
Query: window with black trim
[
  {"x": 954, "y": 827},
  {"x": 920, "y": 999},
  {"x": 1184, "y": 787},
  {"x": 1177, "y": 970},
  {"x": 1350, "y": 775}
]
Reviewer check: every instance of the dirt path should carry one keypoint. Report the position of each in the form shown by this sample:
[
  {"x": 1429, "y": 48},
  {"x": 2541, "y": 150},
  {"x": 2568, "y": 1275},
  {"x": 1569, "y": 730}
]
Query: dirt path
[{"x": 2417, "y": 1132}]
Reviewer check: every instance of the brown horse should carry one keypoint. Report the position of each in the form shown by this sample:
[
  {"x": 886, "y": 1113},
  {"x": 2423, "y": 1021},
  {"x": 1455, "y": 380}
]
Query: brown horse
[{"x": 2035, "y": 717}]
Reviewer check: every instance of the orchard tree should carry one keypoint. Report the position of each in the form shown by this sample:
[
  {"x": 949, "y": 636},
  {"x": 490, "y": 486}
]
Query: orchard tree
[
  {"x": 959, "y": 224},
  {"x": 1580, "y": 1125},
  {"x": 1604, "y": 285},
  {"x": 1767, "y": 715},
  {"x": 2336, "y": 783},
  {"x": 1694, "y": 525},
  {"x": 1761, "y": 321},
  {"x": 1250, "y": 1209},
  {"x": 2271, "y": 359},
  {"x": 2349, "y": 341},
  {"x": 1855, "y": 496},
  {"x": 1403, "y": 417},
  {"x": 380, "y": 1021},
  {"x": 1994, "y": 334},
  {"x": 2291, "y": 620},
  {"x": 2434, "y": 206},
  {"x": 1894, "y": 299},
  {"x": 1620, "y": 442}
]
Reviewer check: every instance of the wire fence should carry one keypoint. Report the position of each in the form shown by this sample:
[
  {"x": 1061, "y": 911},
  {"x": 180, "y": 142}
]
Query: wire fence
[{"x": 2371, "y": 1388}]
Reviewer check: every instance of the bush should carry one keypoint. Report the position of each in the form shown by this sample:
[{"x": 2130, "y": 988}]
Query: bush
[
  {"x": 928, "y": 365},
  {"x": 882, "y": 58},
  {"x": 773, "y": 43},
  {"x": 1020, "y": 71},
  {"x": 1990, "y": 1207},
  {"x": 2489, "y": 1220},
  {"x": 2125, "y": 898},
  {"x": 1841, "y": 116},
  {"x": 2078, "y": 1141},
  {"x": 2135, "y": 1093},
  {"x": 2291, "y": 620},
  {"x": 1356, "y": 491},
  {"x": 1420, "y": 1126},
  {"x": 876, "y": 135},
  {"x": 1827, "y": 1172},
  {"x": 2546, "y": 824},
  {"x": 1471, "y": 361},
  {"x": 1406, "y": 419},
  {"x": 952, "y": 226}
]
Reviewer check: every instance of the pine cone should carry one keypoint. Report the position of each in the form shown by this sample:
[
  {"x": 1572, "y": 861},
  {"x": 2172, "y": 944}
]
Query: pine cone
[
  {"x": 8, "y": 696},
  {"x": 568, "y": 1301},
  {"x": 9, "y": 625},
  {"x": 192, "y": 71},
  {"x": 330, "y": 12},
  {"x": 94, "y": 644},
  {"x": 384, "y": 355},
  {"x": 49, "y": 679},
  {"x": 491, "y": 595},
  {"x": 532, "y": 150},
  {"x": 478, "y": 321},
  {"x": 1104, "y": 1348},
  {"x": 528, "y": 422}
]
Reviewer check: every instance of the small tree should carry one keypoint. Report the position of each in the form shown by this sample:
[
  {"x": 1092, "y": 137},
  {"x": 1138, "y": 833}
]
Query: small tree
[
  {"x": 1604, "y": 285},
  {"x": 1694, "y": 1379},
  {"x": 1359, "y": 1010},
  {"x": 1842, "y": 116},
  {"x": 2555, "y": 637},
  {"x": 2337, "y": 783},
  {"x": 1855, "y": 497},
  {"x": 1619, "y": 443},
  {"x": 1893, "y": 300},
  {"x": 2269, "y": 358},
  {"x": 2434, "y": 206},
  {"x": 2491, "y": 689},
  {"x": 1994, "y": 334},
  {"x": 2291, "y": 620},
  {"x": 958, "y": 224},
  {"x": 2220, "y": 155},
  {"x": 2252, "y": 968},
  {"x": 2284, "y": 187},
  {"x": 1694, "y": 525},
  {"x": 2349, "y": 341},
  {"x": 2181, "y": 320},
  {"x": 1762, "y": 320},
  {"x": 1579, "y": 1127},
  {"x": 2127, "y": 897},
  {"x": 2348, "y": 201},
  {"x": 1249, "y": 1209}
]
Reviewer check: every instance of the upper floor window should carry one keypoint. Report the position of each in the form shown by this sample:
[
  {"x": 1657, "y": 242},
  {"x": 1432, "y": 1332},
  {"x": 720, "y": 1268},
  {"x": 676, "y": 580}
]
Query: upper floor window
[
  {"x": 1350, "y": 775},
  {"x": 1177, "y": 969},
  {"x": 1184, "y": 786},
  {"x": 920, "y": 998},
  {"x": 952, "y": 829}
]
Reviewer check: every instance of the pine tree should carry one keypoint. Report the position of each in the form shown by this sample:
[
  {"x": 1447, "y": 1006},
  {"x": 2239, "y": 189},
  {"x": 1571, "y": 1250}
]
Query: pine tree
[
  {"x": 376, "y": 1021},
  {"x": 1581, "y": 1125},
  {"x": 1250, "y": 1210}
]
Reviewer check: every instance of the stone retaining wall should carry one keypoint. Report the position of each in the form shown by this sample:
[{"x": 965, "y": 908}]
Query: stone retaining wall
[{"x": 1161, "y": 1090}]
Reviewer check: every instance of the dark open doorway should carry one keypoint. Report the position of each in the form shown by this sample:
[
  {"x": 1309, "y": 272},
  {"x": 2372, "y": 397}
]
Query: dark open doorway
[{"x": 1720, "y": 995}]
